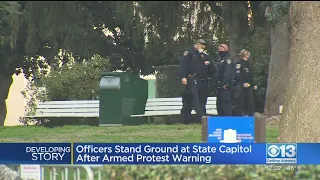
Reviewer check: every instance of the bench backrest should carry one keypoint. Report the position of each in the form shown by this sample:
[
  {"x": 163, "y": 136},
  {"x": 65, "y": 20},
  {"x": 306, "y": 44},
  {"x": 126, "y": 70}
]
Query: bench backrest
[
  {"x": 85, "y": 108},
  {"x": 167, "y": 106}
]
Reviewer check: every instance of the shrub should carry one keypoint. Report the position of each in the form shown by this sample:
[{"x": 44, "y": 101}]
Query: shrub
[
  {"x": 217, "y": 172},
  {"x": 168, "y": 81},
  {"x": 260, "y": 48},
  {"x": 78, "y": 81},
  {"x": 73, "y": 81}
]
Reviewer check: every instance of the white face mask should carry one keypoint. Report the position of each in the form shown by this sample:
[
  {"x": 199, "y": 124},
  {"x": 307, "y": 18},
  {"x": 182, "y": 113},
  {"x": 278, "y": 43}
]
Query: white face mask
[{"x": 200, "y": 51}]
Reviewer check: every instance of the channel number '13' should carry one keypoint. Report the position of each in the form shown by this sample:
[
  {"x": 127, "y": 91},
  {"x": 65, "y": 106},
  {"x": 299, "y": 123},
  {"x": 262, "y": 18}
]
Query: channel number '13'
[{"x": 288, "y": 151}]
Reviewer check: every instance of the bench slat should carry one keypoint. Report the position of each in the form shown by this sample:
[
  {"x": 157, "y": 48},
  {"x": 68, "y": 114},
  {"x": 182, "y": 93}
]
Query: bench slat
[
  {"x": 66, "y": 115},
  {"x": 83, "y": 110},
  {"x": 172, "y": 103},
  {"x": 177, "y": 112},
  {"x": 69, "y": 102},
  {"x": 156, "y": 108},
  {"x": 173, "y": 99},
  {"x": 67, "y": 106},
  {"x": 173, "y": 112}
]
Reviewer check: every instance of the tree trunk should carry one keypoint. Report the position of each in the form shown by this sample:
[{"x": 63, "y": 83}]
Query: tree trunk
[
  {"x": 258, "y": 17},
  {"x": 5, "y": 83},
  {"x": 300, "y": 119},
  {"x": 278, "y": 66},
  {"x": 233, "y": 37},
  {"x": 236, "y": 15}
]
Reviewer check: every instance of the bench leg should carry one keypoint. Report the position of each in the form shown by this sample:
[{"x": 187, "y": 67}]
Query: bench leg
[
  {"x": 150, "y": 120},
  {"x": 204, "y": 127},
  {"x": 167, "y": 120}
]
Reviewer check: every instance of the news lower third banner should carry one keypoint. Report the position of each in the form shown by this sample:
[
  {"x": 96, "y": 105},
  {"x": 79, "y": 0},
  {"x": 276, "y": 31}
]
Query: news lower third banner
[{"x": 159, "y": 153}]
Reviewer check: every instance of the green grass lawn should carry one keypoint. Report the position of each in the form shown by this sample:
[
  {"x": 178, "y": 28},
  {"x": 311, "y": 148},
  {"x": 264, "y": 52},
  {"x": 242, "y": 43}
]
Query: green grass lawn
[{"x": 121, "y": 134}]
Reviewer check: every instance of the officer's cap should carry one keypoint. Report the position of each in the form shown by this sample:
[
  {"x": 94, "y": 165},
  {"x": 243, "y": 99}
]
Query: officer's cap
[{"x": 201, "y": 41}]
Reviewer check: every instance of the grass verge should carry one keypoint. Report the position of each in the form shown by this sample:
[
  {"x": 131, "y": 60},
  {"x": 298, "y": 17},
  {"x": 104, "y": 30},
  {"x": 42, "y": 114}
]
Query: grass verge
[{"x": 120, "y": 134}]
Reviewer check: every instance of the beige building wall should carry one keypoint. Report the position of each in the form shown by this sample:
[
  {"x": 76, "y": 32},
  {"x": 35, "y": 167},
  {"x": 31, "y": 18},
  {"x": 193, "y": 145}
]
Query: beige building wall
[
  {"x": 148, "y": 77},
  {"x": 16, "y": 102}
]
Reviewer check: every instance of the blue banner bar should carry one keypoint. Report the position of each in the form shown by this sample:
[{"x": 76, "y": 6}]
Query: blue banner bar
[
  {"x": 159, "y": 153},
  {"x": 35, "y": 153},
  {"x": 308, "y": 153}
]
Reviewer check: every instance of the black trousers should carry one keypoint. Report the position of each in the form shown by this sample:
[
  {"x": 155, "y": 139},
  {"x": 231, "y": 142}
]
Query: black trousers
[
  {"x": 237, "y": 101},
  {"x": 194, "y": 97},
  {"x": 244, "y": 104},
  {"x": 224, "y": 102}
]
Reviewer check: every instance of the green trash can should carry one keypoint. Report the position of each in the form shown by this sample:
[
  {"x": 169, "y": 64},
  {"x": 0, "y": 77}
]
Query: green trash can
[{"x": 121, "y": 95}]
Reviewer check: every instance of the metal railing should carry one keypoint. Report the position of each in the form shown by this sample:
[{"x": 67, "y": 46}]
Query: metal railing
[{"x": 92, "y": 172}]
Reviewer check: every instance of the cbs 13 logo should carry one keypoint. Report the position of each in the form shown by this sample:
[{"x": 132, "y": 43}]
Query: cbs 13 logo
[{"x": 281, "y": 150}]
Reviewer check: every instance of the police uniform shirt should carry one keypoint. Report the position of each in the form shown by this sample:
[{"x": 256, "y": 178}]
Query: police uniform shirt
[
  {"x": 193, "y": 63},
  {"x": 225, "y": 71},
  {"x": 209, "y": 69},
  {"x": 243, "y": 72}
]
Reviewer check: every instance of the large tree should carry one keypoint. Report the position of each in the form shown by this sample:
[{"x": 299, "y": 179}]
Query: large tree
[
  {"x": 300, "y": 120},
  {"x": 144, "y": 34},
  {"x": 278, "y": 18},
  {"x": 32, "y": 29},
  {"x": 235, "y": 14}
]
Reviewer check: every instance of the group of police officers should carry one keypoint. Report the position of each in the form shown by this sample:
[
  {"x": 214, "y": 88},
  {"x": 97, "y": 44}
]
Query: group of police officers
[{"x": 234, "y": 82}]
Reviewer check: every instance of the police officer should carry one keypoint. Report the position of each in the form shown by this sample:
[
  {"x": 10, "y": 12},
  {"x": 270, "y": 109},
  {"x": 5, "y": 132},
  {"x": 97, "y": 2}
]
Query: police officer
[
  {"x": 224, "y": 82},
  {"x": 195, "y": 68},
  {"x": 243, "y": 80}
]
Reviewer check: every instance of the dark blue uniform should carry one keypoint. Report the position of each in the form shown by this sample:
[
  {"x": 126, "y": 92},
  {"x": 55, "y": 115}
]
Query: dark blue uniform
[
  {"x": 243, "y": 97},
  {"x": 225, "y": 77},
  {"x": 194, "y": 69}
]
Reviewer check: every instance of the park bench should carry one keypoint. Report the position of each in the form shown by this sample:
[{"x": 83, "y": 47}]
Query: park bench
[
  {"x": 66, "y": 109},
  {"x": 167, "y": 107}
]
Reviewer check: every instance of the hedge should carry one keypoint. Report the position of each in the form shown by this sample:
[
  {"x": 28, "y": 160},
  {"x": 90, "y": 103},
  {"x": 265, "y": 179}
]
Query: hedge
[
  {"x": 169, "y": 82},
  {"x": 202, "y": 172}
]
